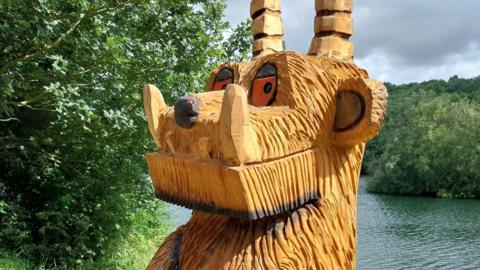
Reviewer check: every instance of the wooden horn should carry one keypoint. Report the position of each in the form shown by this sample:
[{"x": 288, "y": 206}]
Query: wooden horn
[
  {"x": 267, "y": 27},
  {"x": 333, "y": 28}
]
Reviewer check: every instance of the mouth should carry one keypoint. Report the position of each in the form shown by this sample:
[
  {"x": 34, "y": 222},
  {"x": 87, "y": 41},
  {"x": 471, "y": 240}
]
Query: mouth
[{"x": 247, "y": 191}]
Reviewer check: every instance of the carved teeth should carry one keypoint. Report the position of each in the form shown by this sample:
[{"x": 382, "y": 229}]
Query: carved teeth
[
  {"x": 204, "y": 147},
  {"x": 168, "y": 140},
  {"x": 153, "y": 103},
  {"x": 238, "y": 141}
]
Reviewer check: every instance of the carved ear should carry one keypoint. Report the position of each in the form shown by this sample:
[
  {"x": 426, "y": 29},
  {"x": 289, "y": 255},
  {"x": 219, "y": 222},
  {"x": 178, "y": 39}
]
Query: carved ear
[
  {"x": 361, "y": 105},
  {"x": 153, "y": 104}
]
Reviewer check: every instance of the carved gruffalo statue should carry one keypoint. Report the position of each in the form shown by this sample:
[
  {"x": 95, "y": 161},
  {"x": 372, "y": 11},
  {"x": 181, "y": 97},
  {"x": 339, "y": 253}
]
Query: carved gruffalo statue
[{"x": 269, "y": 156}]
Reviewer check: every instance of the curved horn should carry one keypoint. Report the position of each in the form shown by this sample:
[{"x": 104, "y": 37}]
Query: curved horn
[
  {"x": 333, "y": 28},
  {"x": 267, "y": 27}
]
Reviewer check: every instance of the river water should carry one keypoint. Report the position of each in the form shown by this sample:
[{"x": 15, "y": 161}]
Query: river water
[{"x": 397, "y": 232}]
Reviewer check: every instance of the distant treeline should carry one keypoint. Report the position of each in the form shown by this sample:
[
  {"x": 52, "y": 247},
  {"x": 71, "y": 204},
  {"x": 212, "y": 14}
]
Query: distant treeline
[{"x": 430, "y": 144}]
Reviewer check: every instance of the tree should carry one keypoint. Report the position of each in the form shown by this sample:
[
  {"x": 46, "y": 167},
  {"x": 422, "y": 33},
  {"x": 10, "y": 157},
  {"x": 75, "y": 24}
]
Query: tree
[
  {"x": 72, "y": 128},
  {"x": 429, "y": 145}
]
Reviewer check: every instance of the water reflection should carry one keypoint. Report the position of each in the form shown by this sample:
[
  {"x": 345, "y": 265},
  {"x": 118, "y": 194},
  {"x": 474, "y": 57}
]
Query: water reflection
[
  {"x": 417, "y": 233},
  {"x": 410, "y": 232}
]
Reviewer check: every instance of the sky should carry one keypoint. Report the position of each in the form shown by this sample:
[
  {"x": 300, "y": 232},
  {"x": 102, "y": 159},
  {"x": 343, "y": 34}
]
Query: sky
[{"x": 398, "y": 41}]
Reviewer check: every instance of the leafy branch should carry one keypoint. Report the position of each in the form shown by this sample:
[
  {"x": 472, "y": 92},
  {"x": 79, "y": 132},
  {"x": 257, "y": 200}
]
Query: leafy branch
[{"x": 33, "y": 52}]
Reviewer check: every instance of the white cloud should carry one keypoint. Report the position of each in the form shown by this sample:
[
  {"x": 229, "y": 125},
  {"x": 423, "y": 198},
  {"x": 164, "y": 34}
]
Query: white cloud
[
  {"x": 383, "y": 67},
  {"x": 396, "y": 41}
]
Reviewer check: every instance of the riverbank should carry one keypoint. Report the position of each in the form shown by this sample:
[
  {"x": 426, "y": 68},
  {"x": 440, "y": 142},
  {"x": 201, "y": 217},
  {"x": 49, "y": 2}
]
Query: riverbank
[{"x": 373, "y": 186}]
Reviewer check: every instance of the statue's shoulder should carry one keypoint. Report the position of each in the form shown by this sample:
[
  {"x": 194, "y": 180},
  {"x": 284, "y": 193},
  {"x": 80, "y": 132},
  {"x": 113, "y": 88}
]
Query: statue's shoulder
[{"x": 168, "y": 255}]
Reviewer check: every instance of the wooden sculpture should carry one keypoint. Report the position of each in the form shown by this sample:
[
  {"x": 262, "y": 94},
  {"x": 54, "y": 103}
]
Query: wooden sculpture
[{"x": 269, "y": 156}]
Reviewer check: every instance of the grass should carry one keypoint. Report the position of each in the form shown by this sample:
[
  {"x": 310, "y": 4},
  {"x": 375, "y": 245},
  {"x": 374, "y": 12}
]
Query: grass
[
  {"x": 133, "y": 251},
  {"x": 10, "y": 261},
  {"x": 137, "y": 249}
]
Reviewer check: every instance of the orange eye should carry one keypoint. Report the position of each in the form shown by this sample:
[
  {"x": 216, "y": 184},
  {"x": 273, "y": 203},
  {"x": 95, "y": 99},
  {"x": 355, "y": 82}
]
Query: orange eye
[
  {"x": 223, "y": 78},
  {"x": 263, "y": 91},
  {"x": 264, "y": 87},
  {"x": 221, "y": 84}
]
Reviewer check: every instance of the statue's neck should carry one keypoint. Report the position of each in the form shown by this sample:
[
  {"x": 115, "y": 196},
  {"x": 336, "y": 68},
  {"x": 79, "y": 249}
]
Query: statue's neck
[{"x": 320, "y": 236}]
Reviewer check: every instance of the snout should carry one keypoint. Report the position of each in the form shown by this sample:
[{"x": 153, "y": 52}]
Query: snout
[
  {"x": 186, "y": 111},
  {"x": 222, "y": 126},
  {"x": 230, "y": 152}
]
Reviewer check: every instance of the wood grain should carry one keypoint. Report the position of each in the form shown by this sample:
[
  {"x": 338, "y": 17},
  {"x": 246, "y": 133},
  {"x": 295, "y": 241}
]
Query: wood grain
[
  {"x": 302, "y": 163},
  {"x": 333, "y": 27},
  {"x": 153, "y": 105},
  {"x": 271, "y": 187},
  {"x": 267, "y": 27}
]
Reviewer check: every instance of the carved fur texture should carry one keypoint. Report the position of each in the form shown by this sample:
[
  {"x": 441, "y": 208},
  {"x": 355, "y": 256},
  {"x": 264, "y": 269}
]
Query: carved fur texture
[{"x": 271, "y": 165}]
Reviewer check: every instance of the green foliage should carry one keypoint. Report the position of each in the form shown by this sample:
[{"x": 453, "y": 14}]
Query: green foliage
[
  {"x": 429, "y": 145},
  {"x": 72, "y": 128},
  {"x": 238, "y": 46},
  {"x": 12, "y": 262},
  {"x": 139, "y": 242},
  {"x": 133, "y": 250}
]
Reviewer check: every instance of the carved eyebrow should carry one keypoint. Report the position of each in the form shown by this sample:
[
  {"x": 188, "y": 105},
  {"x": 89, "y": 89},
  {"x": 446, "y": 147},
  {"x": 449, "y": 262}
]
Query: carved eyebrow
[
  {"x": 266, "y": 70},
  {"x": 224, "y": 74}
]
